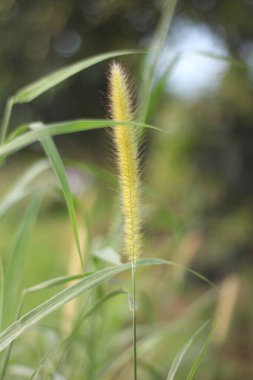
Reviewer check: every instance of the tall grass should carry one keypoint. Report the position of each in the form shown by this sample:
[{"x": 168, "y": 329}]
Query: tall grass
[
  {"x": 75, "y": 355},
  {"x": 125, "y": 138}
]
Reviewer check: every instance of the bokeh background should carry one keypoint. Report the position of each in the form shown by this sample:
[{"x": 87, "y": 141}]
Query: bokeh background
[{"x": 197, "y": 179}]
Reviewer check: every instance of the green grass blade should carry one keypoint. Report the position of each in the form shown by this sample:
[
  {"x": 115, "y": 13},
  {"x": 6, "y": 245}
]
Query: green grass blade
[
  {"x": 159, "y": 89},
  {"x": 167, "y": 13},
  {"x": 14, "y": 271},
  {"x": 58, "y": 168},
  {"x": 6, "y": 118},
  {"x": 223, "y": 58},
  {"x": 153, "y": 56},
  {"x": 66, "y": 295},
  {"x": 1, "y": 290},
  {"x": 22, "y": 187},
  {"x": 180, "y": 355},
  {"x": 65, "y": 341},
  {"x": 57, "y": 281},
  {"x": 152, "y": 342},
  {"x": 97, "y": 305},
  {"x": 33, "y": 90},
  {"x": 61, "y": 128},
  {"x": 198, "y": 359}
]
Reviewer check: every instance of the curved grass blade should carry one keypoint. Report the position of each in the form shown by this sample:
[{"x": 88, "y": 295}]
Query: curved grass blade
[
  {"x": 96, "y": 306},
  {"x": 159, "y": 89},
  {"x": 58, "y": 168},
  {"x": 66, "y": 295},
  {"x": 61, "y": 128},
  {"x": 198, "y": 359},
  {"x": 224, "y": 58},
  {"x": 23, "y": 186},
  {"x": 6, "y": 118},
  {"x": 30, "y": 92},
  {"x": 64, "y": 341},
  {"x": 61, "y": 280},
  {"x": 33, "y": 90},
  {"x": 153, "y": 57},
  {"x": 180, "y": 355},
  {"x": 149, "y": 342}
]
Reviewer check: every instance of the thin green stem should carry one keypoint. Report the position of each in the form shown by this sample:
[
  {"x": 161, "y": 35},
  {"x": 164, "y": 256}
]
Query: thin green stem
[
  {"x": 6, "y": 119},
  {"x": 1, "y": 291},
  {"x": 134, "y": 319}
]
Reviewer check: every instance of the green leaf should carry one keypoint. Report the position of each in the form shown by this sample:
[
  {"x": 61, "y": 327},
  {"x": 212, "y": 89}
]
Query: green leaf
[
  {"x": 65, "y": 341},
  {"x": 98, "y": 304},
  {"x": 224, "y": 58},
  {"x": 198, "y": 359},
  {"x": 180, "y": 355},
  {"x": 18, "y": 132},
  {"x": 40, "y": 130},
  {"x": 33, "y": 90},
  {"x": 152, "y": 59},
  {"x": 6, "y": 118},
  {"x": 61, "y": 280},
  {"x": 58, "y": 168},
  {"x": 159, "y": 89},
  {"x": 22, "y": 187},
  {"x": 66, "y": 295},
  {"x": 14, "y": 271}
]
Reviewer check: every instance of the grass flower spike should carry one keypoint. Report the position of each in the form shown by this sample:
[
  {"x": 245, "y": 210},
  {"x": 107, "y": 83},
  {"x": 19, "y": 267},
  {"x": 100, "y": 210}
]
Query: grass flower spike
[{"x": 127, "y": 158}]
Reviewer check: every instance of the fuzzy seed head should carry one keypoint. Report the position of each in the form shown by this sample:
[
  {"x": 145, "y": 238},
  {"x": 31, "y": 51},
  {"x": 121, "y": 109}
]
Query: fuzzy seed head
[{"x": 127, "y": 159}]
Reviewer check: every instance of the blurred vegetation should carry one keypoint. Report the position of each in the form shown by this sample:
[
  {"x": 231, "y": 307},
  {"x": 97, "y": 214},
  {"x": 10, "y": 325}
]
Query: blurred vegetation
[{"x": 198, "y": 180}]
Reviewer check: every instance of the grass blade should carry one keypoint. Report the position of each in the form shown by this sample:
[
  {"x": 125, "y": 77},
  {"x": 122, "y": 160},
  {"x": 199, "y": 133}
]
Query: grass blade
[
  {"x": 6, "y": 118},
  {"x": 65, "y": 341},
  {"x": 58, "y": 168},
  {"x": 22, "y": 187},
  {"x": 98, "y": 304},
  {"x": 180, "y": 355},
  {"x": 159, "y": 89},
  {"x": 12, "y": 299},
  {"x": 198, "y": 359},
  {"x": 1, "y": 290},
  {"x": 13, "y": 276},
  {"x": 223, "y": 58},
  {"x": 61, "y": 128},
  {"x": 61, "y": 280},
  {"x": 33, "y": 90},
  {"x": 66, "y": 295},
  {"x": 152, "y": 58}
]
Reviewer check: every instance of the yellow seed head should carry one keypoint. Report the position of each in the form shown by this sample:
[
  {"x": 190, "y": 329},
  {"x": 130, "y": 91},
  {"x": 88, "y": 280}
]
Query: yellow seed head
[{"x": 127, "y": 159}]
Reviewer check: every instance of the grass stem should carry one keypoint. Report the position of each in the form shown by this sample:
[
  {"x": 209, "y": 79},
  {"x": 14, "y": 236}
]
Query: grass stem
[{"x": 134, "y": 320}]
